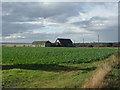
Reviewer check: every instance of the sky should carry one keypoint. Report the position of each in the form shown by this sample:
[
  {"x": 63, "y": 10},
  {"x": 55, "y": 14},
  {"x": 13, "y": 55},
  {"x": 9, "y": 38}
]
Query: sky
[{"x": 38, "y": 21}]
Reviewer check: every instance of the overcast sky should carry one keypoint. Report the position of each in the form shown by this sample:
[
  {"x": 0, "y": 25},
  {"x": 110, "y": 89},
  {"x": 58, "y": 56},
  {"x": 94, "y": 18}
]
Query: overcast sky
[{"x": 29, "y": 21}]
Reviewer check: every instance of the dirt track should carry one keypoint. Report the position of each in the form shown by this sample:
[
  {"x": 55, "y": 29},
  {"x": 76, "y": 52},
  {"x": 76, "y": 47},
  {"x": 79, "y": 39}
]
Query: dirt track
[{"x": 96, "y": 80}]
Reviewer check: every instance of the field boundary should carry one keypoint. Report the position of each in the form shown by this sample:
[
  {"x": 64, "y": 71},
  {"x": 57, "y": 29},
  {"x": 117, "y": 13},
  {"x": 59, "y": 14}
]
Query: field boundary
[{"x": 96, "y": 80}]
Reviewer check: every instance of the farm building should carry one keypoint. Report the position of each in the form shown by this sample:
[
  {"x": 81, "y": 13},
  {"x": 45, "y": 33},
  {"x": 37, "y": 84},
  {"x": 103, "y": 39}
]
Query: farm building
[
  {"x": 42, "y": 44},
  {"x": 60, "y": 42},
  {"x": 56, "y": 44},
  {"x": 64, "y": 42}
]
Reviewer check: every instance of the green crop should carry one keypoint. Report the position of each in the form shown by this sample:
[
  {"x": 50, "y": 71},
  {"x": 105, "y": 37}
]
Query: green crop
[{"x": 53, "y": 55}]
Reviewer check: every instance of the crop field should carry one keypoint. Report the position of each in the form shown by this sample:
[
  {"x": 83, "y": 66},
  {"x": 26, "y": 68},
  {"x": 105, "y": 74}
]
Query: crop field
[
  {"x": 37, "y": 55},
  {"x": 50, "y": 67}
]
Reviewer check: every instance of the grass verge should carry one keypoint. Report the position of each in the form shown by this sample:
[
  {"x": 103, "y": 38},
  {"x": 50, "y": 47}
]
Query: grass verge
[
  {"x": 98, "y": 80},
  {"x": 51, "y": 76},
  {"x": 112, "y": 79}
]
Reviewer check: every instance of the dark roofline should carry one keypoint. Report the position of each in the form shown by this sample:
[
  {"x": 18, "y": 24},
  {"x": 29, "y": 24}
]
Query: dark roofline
[{"x": 63, "y": 38}]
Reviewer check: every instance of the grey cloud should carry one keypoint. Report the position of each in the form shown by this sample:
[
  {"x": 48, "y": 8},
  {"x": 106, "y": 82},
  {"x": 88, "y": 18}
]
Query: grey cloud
[
  {"x": 110, "y": 34},
  {"x": 30, "y": 37},
  {"x": 87, "y": 24},
  {"x": 34, "y": 10},
  {"x": 56, "y": 12},
  {"x": 22, "y": 12},
  {"x": 10, "y": 28}
]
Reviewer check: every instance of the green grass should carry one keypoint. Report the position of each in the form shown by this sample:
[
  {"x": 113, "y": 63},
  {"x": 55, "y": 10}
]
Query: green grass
[
  {"x": 50, "y": 67},
  {"x": 112, "y": 80},
  {"x": 62, "y": 76}
]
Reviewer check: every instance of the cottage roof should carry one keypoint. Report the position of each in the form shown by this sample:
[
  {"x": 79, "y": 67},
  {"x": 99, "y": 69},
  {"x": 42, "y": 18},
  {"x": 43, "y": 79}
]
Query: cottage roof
[{"x": 65, "y": 41}]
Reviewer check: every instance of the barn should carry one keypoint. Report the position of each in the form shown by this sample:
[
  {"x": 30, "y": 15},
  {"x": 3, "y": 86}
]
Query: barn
[
  {"x": 64, "y": 42},
  {"x": 41, "y": 43}
]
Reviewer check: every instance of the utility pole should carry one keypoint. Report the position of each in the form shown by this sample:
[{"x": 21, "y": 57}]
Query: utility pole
[
  {"x": 83, "y": 41},
  {"x": 98, "y": 40}
]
